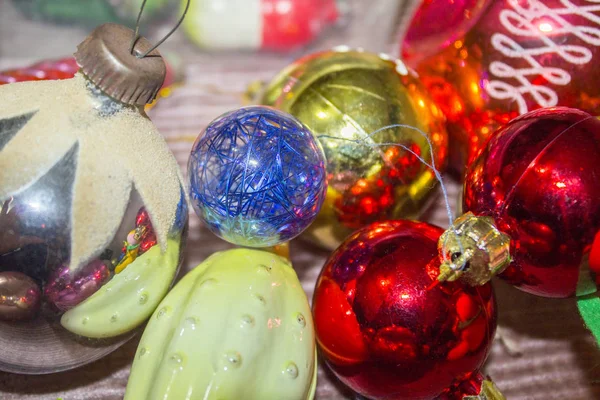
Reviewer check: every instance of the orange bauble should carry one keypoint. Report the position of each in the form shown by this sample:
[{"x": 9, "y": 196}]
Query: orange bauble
[{"x": 486, "y": 62}]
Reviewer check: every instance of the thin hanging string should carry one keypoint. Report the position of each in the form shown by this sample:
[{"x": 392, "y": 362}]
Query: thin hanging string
[
  {"x": 431, "y": 166},
  {"x": 136, "y": 35}
]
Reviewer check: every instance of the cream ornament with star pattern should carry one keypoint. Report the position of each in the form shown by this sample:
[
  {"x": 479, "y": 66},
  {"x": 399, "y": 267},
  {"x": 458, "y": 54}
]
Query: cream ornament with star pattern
[{"x": 79, "y": 161}]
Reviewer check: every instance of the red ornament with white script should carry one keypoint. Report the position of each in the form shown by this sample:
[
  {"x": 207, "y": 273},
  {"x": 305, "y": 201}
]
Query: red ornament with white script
[{"x": 486, "y": 62}]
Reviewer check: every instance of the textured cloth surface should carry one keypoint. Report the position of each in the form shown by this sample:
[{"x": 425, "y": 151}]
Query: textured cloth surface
[{"x": 545, "y": 354}]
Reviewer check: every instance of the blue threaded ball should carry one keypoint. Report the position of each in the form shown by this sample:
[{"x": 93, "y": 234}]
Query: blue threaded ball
[{"x": 257, "y": 177}]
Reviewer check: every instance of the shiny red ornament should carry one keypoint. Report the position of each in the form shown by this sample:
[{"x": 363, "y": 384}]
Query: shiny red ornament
[
  {"x": 148, "y": 241},
  {"x": 387, "y": 328},
  {"x": 539, "y": 179},
  {"x": 289, "y": 24},
  {"x": 486, "y": 61},
  {"x": 148, "y": 238},
  {"x": 63, "y": 68},
  {"x": 142, "y": 217}
]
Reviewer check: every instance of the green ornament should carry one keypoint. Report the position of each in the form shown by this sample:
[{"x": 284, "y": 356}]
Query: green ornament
[
  {"x": 90, "y": 13},
  {"x": 129, "y": 299},
  {"x": 237, "y": 326}
]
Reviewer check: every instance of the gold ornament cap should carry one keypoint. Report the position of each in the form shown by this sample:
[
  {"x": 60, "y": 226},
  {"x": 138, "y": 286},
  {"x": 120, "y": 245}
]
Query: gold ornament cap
[
  {"x": 106, "y": 60},
  {"x": 474, "y": 250}
]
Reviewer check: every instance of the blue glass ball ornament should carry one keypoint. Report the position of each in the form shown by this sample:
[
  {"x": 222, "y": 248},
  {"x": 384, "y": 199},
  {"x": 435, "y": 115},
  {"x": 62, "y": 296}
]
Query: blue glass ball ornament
[{"x": 257, "y": 176}]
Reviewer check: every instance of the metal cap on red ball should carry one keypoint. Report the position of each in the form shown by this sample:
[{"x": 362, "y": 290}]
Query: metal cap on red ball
[{"x": 387, "y": 328}]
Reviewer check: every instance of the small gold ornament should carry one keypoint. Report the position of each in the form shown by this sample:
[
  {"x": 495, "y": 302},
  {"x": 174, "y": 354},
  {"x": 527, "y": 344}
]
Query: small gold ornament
[{"x": 361, "y": 106}]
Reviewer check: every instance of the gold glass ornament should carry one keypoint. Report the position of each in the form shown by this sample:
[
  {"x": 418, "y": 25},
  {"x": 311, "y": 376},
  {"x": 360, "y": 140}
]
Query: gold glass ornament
[{"x": 361, "y": 106}]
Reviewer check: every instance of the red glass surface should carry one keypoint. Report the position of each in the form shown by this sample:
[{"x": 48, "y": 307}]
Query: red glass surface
[
  {"x": 502, "y": 59},
  {"x": 470, "y": 386},
  {"x": 148, "y": 237},
  {"x": 376, "y": 197},
  {"x": 539, "y": 178},
  {"x": 288, "y": 24},
  {"x": 46, "y": 70},
  {"x": 383, "y": 327}
]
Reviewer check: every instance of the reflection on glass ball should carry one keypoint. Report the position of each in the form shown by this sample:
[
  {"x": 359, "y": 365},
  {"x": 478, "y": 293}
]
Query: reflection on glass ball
[
  {"x": 92, "y": 224},
  {"x": 385, "y": 328},
  {"x": 361, "y": 107},
  {"x": 257, "y": 177}
]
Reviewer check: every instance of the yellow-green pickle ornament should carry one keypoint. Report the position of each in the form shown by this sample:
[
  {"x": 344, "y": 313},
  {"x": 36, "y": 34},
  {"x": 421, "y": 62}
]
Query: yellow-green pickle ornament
[
  {"x": 92, "y": 209},
  {"x": 362, "y": 106},
  {"x": 238, "y": 326}
]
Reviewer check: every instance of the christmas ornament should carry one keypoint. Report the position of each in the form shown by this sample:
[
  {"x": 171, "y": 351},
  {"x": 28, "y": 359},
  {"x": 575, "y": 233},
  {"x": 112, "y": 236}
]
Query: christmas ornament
[
  {"x": 237, "y": 326},
  {"x": 485, "y": 62},
  {"x": 78, "y": 159},
  {"x": 279, "y": 25},
  {"x": 65, "y": 68},
  {"x": 388, "y": 328},
  {"x": 89, "y": 13},
  {"x": 361, "y": 106},
  {"x": 538, "y": 183},
  {"x": 257, "y": 177},
  {"x": 19, "y": 296},
  {"x": 147, "y": 235}
]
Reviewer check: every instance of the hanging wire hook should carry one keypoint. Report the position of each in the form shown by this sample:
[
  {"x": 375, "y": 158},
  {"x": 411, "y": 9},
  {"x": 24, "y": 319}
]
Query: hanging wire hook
[{"x": 136, "y": 35}]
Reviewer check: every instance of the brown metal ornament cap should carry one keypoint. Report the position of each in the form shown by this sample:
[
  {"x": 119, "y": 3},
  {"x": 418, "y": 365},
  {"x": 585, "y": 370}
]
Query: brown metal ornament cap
[{"x": 105, "y": 59}]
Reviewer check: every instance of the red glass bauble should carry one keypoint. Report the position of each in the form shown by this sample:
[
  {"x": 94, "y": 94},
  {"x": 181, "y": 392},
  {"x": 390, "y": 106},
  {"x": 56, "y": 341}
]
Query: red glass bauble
[
  {"x": 385, "y": 327},
  {"x": 539, "y": 178},
  {"x": 64, "y": 68},
  {"x": 142, "y": 217},
  {"x": 486, "y": 62},
  {"x": 148, "y": 241},
  {"x": 148, "y": 238}
]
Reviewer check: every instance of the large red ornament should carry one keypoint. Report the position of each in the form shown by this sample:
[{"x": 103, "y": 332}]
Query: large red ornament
[
  {"x": 486, "y": 61},
  {"x": 387, "y": 327},
  {"x": 539, "y": 179}
]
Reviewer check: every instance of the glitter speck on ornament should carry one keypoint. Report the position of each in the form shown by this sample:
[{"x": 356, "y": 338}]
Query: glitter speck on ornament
[{"x": 257, "y": 177}]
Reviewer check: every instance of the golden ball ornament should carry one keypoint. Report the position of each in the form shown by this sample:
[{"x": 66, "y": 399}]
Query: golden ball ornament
[{"x": 363, "y": 108}]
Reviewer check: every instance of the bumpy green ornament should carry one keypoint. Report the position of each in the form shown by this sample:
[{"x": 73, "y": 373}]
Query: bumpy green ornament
[
  {"x": 237, "y": 326},
  {"x": 122, "y": 304}
]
